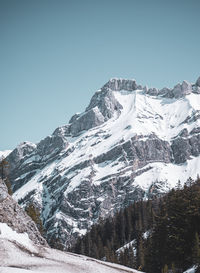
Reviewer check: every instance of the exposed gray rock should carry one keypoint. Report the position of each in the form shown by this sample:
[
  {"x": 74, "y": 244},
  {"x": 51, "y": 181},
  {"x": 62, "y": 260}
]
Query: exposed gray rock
[
  {"x": 196, "y": 89},
  {"x": 63, "y": 131},
  {"x": 183, "y": 147},
  {"x": 139, "y": 87},
  {"x": 51, "y": 144},
  {"x": 181, "y": 90},
  {"x": 193, "y": 117},
  {"x": 186, "y": 88},
  {"x": 74, "y": 117},
  {"x": 194, "y": 142},
  {"x": 88, "y": 120},
  {"x": 15, "y": 217},
  {"x": 198, "y": 82},
  {"x": 195, "y": 131},
  {"x": 106, "y": 103},
  {"x": 166, "y": 92},
  {"x": 152, "y": 91},
  {"x": 142, "y": 151},
  {"x": 183, "y": 133},
  {"x": 145, "y": 88},
  {"x": 120, "y": 84},
  {"x": 22, "y": 150},
  {"x": 181, "y": 150}
]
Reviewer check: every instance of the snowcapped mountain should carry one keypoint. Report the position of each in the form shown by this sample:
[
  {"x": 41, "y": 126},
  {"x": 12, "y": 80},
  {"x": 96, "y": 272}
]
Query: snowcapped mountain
[{"x": 130, "y": 143}]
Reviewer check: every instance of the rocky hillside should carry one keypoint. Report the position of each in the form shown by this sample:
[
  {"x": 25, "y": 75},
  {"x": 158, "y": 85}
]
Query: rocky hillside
[
  {"x": 131, "y": 142},
  {"x": 15, "y": 217},
  {"x": 22, "y": 249}
]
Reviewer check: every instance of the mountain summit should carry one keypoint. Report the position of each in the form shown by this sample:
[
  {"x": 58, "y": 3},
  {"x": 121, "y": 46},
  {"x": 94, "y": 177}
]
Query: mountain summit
[{"x": 131, "y": 143}]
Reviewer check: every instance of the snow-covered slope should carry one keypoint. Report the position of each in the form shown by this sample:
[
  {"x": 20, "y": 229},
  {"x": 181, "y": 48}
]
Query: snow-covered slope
[
  {"x": 5, "y": 153},
  {"x": 130, "y": 143},
  {"x": 18, "y": 254}
]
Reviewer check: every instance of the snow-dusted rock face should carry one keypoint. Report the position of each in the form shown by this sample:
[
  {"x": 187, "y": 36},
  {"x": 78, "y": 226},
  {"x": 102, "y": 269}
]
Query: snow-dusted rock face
[
  {"x": 16, "y": 218},
  {"x": 120, "y": 84},
  {"x": 90, "y": 119},
  {"x": 19, "y": 153},
  {"x": 106, "y": 103},
  {"x": 130, "y": 143}
]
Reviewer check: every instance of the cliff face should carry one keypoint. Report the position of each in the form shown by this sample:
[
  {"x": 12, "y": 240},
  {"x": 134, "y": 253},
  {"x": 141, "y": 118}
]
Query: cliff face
[
  {"x": 16, "y": 218},
  {"x": 130, "y": 143}
]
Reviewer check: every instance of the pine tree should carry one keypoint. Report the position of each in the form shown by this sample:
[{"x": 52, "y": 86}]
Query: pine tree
[
  {"x": 196, "y": 250},
  {"x": 140, "y": 254},
  {"x": 165, "y": 269},
  {"x": 34, "y": 213}
]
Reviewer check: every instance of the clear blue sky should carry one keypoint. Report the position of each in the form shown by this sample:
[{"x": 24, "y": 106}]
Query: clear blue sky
[{"x": 54, "y": 54}]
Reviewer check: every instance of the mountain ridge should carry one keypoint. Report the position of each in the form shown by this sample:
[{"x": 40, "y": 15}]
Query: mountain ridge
[{"x": 124, "y": 147}]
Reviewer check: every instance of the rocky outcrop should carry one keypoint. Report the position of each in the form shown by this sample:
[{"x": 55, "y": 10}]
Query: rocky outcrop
[
  {"x": 23, "y": 149},
  {"x": 185, "y": 146},
  {"x": 16, "y": 218},
  {"x": 152, "y": 91},
  {"x": 88, "y": 120},
  {"x": 179, "y": 90},
  {"x": 106, "y": 103},
  {"x": 120, "y": 84},
  {"x": 198, "y": 82},
  {"x": 51, "y": 145}
]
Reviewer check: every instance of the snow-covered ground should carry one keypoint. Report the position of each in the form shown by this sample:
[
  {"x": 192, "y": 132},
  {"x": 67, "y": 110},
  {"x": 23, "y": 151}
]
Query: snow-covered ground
[
  {"x": 191, "y": 270},
  {"x": 19, "y": 255},
  {"x": 127, "y": 246},
  {"x": 5, "y": 153}
]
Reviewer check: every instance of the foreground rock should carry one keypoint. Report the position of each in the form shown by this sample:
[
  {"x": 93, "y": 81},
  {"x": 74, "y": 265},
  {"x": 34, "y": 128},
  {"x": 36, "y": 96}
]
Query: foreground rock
[{"x": 16, "y": 218}]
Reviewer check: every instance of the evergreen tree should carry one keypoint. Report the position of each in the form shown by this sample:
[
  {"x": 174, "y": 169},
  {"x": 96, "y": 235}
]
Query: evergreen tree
[
  {"x": 196, "y": 250},
  {"x": 165, "y": 269},
  {"x": 34, "y": 213},
  {"x": 173, "y": 222}
]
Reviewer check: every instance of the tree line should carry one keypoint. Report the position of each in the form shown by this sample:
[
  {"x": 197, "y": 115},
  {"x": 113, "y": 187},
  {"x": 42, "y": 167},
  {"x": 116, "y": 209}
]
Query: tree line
[{"x": 172, "y": 226}]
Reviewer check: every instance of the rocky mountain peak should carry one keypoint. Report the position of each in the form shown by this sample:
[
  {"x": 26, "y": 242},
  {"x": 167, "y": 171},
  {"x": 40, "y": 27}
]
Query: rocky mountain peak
[
  {"x": 117, "y": 84},
  {"x": 181, "y": 90}
]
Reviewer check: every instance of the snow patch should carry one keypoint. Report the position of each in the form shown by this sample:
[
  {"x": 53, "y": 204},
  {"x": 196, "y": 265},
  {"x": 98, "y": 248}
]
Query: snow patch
[
  {"x": 191, "y": 270},
  {"x": 4, "y": 153},
  {"x": 22, "y": 238}
]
